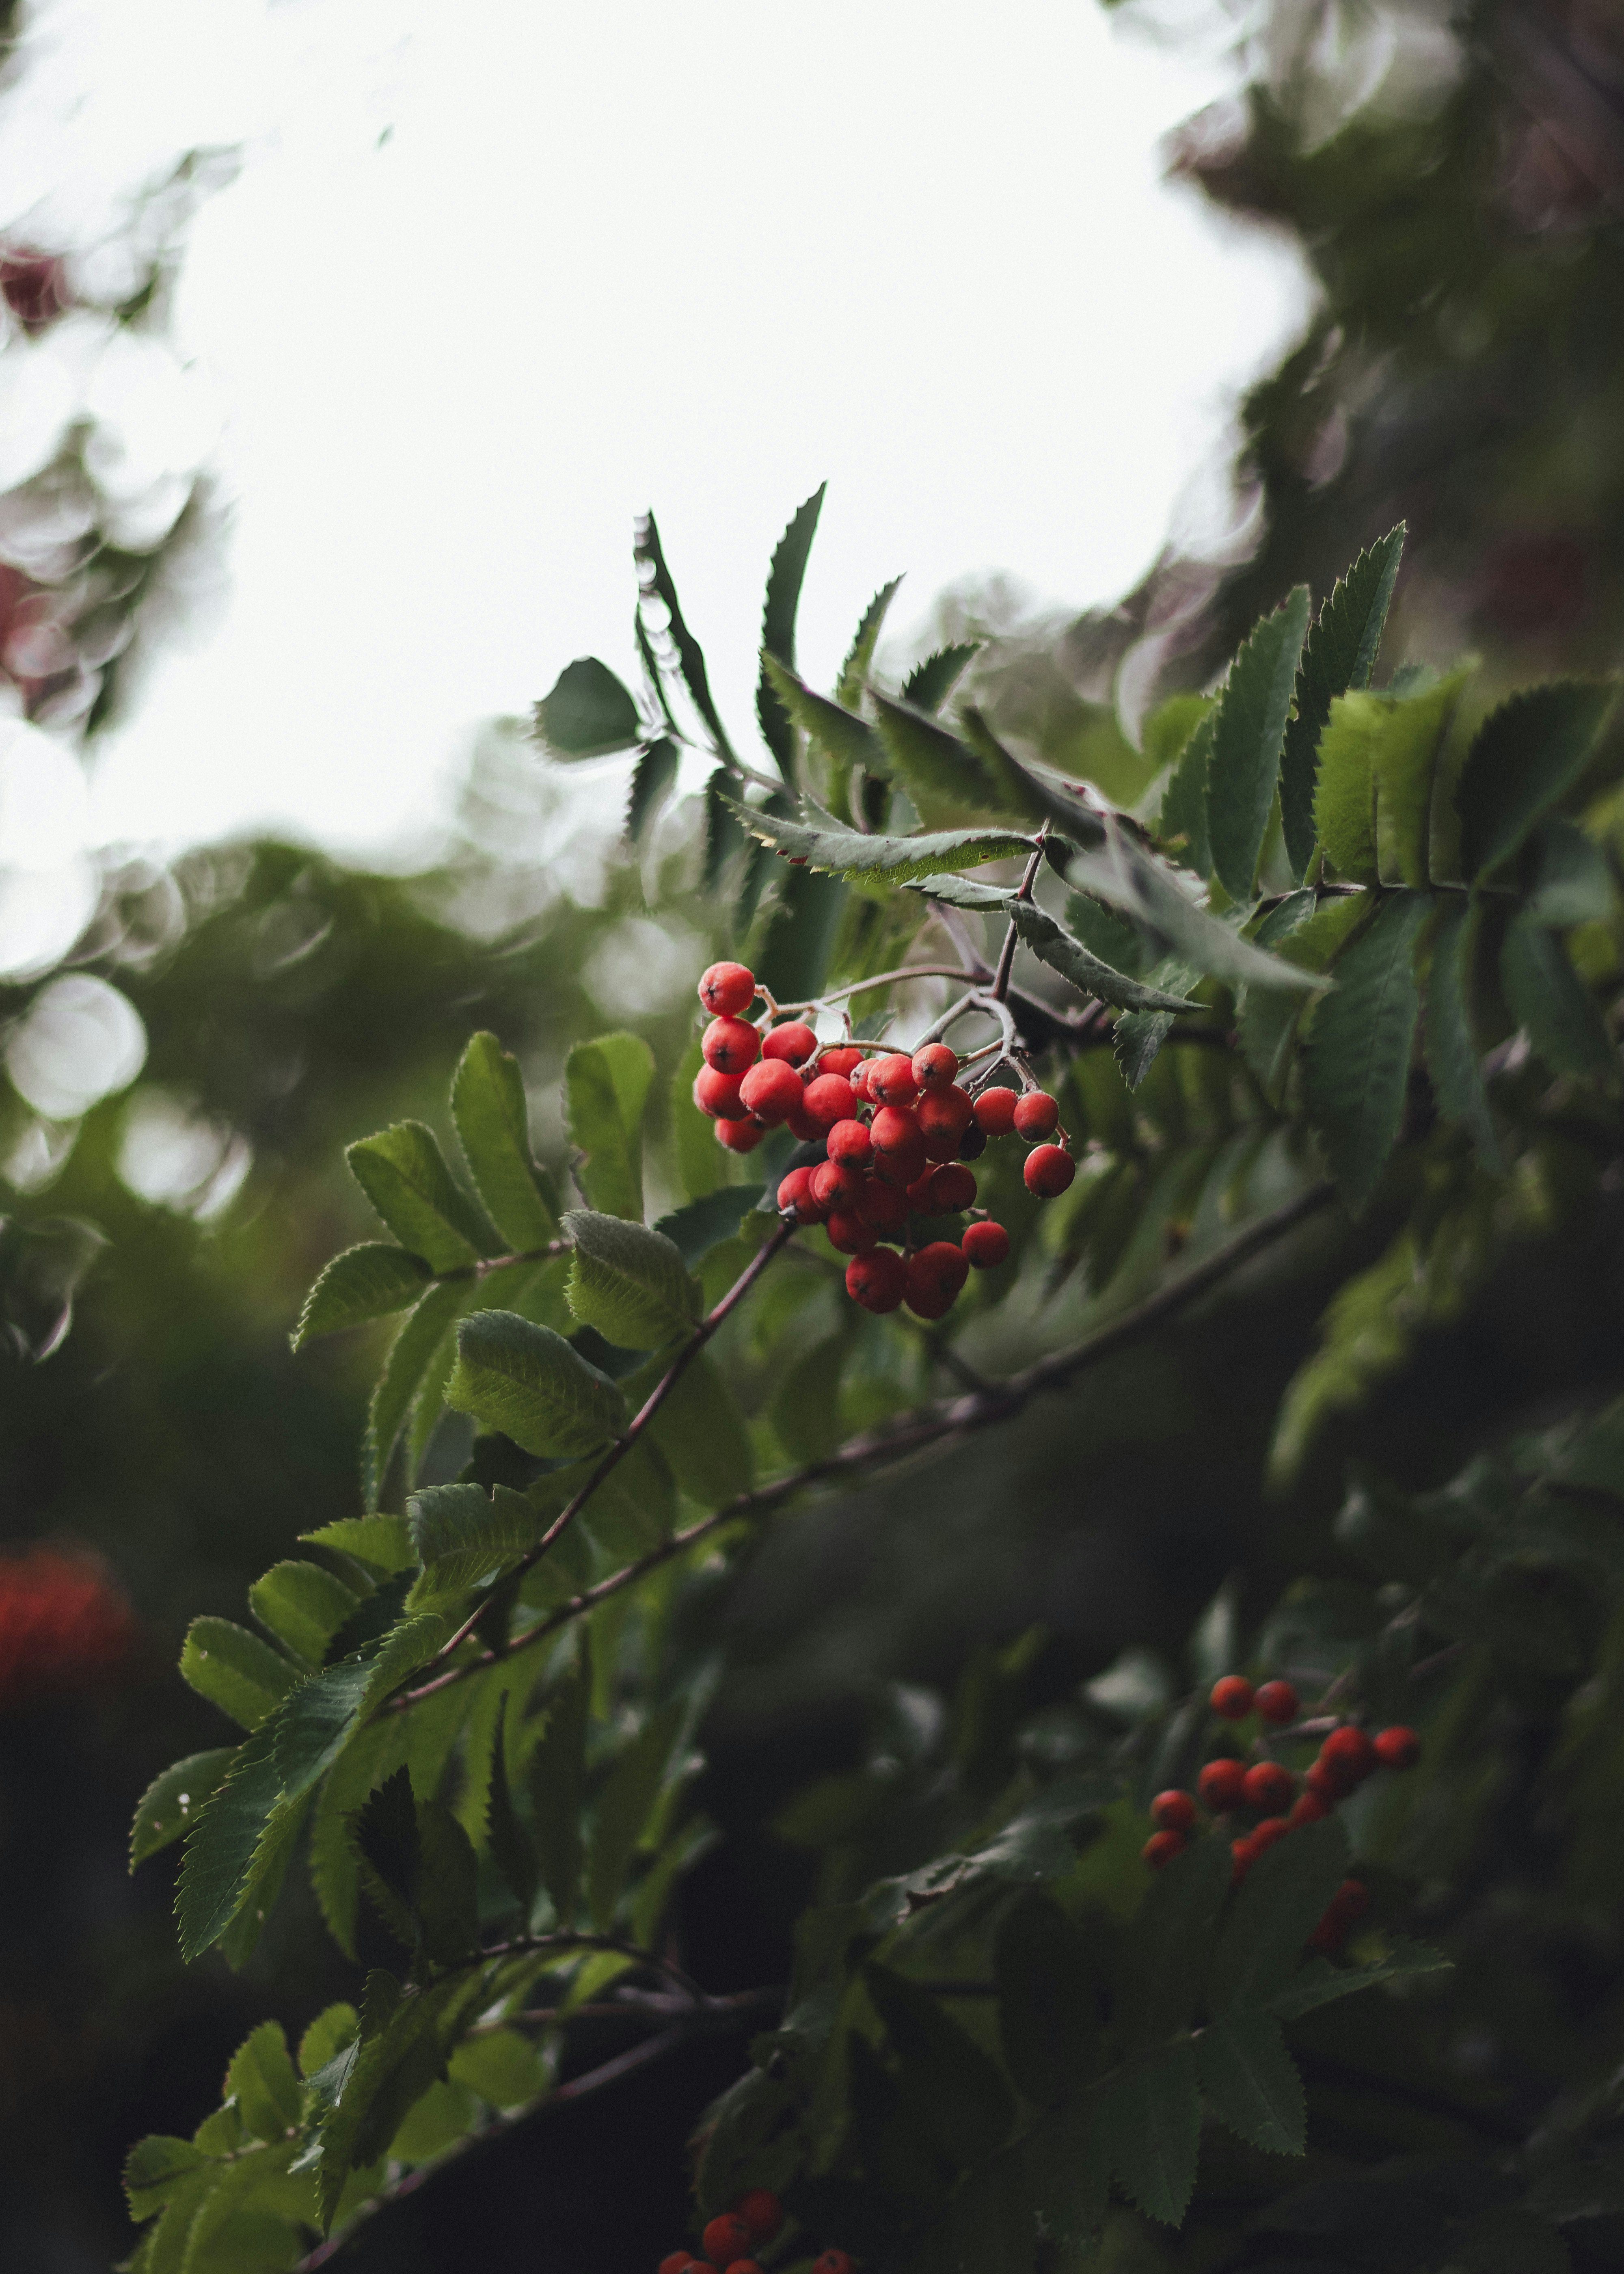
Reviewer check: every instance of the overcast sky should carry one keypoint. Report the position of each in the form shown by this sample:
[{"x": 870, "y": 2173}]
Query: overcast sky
[{"x": 493, "y": 279}]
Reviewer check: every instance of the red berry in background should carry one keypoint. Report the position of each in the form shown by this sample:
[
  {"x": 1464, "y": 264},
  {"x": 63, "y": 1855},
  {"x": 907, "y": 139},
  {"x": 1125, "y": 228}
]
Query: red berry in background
[
  {"x": 1161, "y": 1847},
  {"x": 1265, "y": 1835},
  {"x": 730, "y": 1045},
  {"x": 772, "y": 1090},
  {"x": 1035, "y": 1115},
  {"x": 677, "y": 2262},
  {"x": 836, "y": 1185},
  {"x": 744, "y": 2266},
  {"x": 934, "y": 1276},
  {"x": 1231, "y": 1697},
  {"x": 793, "y": 1041},
  {"x": 762, "y": 2212},
  {"x": 995, "y": 1111},
  {"x": 1268, "y": 1787},
  {"x": 1048, "y": 1171},
  {"x": 1240, "y": 1851},
  {"x": 727, "y": 2239},
  {"x": 726, "y": 988},
  {"x": 1397, "y": 1748},
  {"x": 796, "y": 1198},
  {"x": 800, "y": 1123},
  {"x": 834, "y": 2262},
  {"x": 891, "y": 1080},
  {"x": 740, "y": 1136},
  {"x": 63, "y": 1625},
  {"x": 877, "y": 1280},
  {"x": 1348, "y": 1756},
  {"x": 1308, "y": 1808},
  {"x": 842, "y": 1059},
  {"x": 849, "y": 1233},
  {"x": 718, "y": 1094},
  {"x": 951, "y": 1189},
  {"x": 827, "y": 1100},
  {"x": 1349, "y": 1902},
  {"x": 884, "y": 1206},
  {"x": 1276, "y": 1701},
  {"x": 1220, "y": 1785},
  {"x": 1172, "y": 1812},
  {"x": 985, "y": 1245},
  {"x": 849, "y": 1140},
  {"x": 1324, "y": 1783},
  {"x": 935, "y": 1066}
]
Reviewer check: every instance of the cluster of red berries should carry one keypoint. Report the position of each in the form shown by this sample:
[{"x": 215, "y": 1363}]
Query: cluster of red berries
[
  {"x": 729, "y": 2243},
  {"x": 63, "y": 1623},
  {"x": 896, "y": 1131},
  {"x": 1270, "y": 1791}
]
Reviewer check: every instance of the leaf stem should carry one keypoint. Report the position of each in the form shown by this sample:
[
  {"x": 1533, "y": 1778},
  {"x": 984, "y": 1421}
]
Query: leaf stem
[
  {"x": 1007, "y": 955},
  {"x": 882, "y": 979}
]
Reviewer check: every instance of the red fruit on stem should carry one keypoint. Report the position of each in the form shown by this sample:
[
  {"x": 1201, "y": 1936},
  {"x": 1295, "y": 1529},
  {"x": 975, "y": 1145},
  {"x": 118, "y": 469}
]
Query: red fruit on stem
[
  {"x": 945, "y": 1109},
  {"x": 952, "y": 1188},
  {"x": 859, "y": 1079},
  {"x": 801, "y": 1126},
  {"x": 1173, "y": 1812},
  {"x": 935, "y": 1066},
  {"x": 1348, "y": 1756},
  {"x": 730, "y": 1045},
  {"x": 903, "y": 1168},
  {"x": 828, "y": 1100},
  {"x": 1308, "y": 1808},
  {"x": 849, "y": 1233},
  {"x": 834, "y": 1184},
  {"x": 985, "y": 1245},
  {"x": 718, "y": 1094},
  {"x": 1397, "y": 1748},
  {"x": 884, "y": 1206},
  {"x": 793, "y": 1041},
  {"x": 772, "y": 1090},
  {"x": 849, "y": 1140},
  {"x": 1276, "y": 1701},
  {"x": 1048, "y": 1171},
  {"x": 1240, "y": 1851},
  {"x": 877, "y": 1280},
  {"x": 842, "y": 1059},
  {"x": 893, "y": 1130},
  {"x": 891, "y": 1080},
  {"x": 797, "y": 1198},
  {"x": 762, "y": 2212},
  {"x": 726, "y": 988},
  {"x": 1161, "y": 1847},
  {"x": 918, "y": 1193},
  {"x": 740, "y": 1136},
  {"x": 727, "y": 2239},
  {"x": 744, "y": 2266},
  {"x": 1036, "y": 1114},
  {"x": 995, "y": 1111},
  {"x": 934, "y": 1276},
  {"x": 1268, "y": 1787},
  {"x": 1231, "y": 1697},
  {"x": 1220, "y": 1784}
]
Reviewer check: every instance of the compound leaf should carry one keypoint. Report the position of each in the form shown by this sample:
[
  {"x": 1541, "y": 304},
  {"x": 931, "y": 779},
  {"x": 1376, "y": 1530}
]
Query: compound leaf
[{"x": 1340, "y": 654}]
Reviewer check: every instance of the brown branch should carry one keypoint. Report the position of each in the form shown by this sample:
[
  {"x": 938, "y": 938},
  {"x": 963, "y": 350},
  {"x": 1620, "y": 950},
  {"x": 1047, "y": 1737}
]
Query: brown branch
[{"x": 1007, "y": 955}]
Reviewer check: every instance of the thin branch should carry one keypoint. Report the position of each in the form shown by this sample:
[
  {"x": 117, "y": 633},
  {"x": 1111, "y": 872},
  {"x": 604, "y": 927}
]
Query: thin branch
[
  {"x": 1006, "y": 956},
  {"x": 884, "y": 979}
]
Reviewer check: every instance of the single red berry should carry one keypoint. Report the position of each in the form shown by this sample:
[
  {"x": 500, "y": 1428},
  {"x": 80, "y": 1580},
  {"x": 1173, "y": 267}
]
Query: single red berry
[
  {"x": 1231, "y": 1697},
  {"x": 1324, "y": 1783},
  {"x": 918, "y": 1193},
  {"x": 1276, "y": 1701},
  {"x": 1035, "y": 1115},
  {"x": 844, "y": 1060},
  {"x": 935, "y": 1066},
  {"x": 849, "y": 1140},
  {"x": 893, "y": 1129},
  {"x": 772, "y": 1090},
  {"x": 762, "y": 2212},
  {"x": 740, "y": 1136},
  {"x": 1308, "y": 1808},
  {"x": 744, "y": 2266},
  {"x": 1049, "y": 1169},
  {"x": 797, "y": 1198},
  {"x": 834, "y": 1186},
  {"x": 730, "y": 1045},
  {"x": 1240, "y": 1851},
  {"x": 1397, "y": 1748},
  {"x": 800, "y": 1124},
  {"x": 884, "y": 1206},
  {"x": 953, "y": 1189},
  {"x": 834, "y": 2262},
  {"x": 936, "y": 1274},
  {"x": 828, "y": 1100},
  {"x": 944, "y": 1116},
  {"x": 1268, "y": 1787},
  {"x": 1220, "y": 1784},
  {"x": 1349, "y": 1902},
  {"x": 726, "y": 988},
  {"x": 718, "y": 1094},
  {"x": 849, "y": 1233},
  {"x": 891, "y": 1080},
  {"x": 904, "y": 1167},
  {"x": 678, "y": 2262},
  {"x": 1348, "y": 1756},
  {"x": 727, "y": 2239},
  {"x": 1173, "y": 1812},
  {"x": 858, "y": 1076},
  {"x": 793, "y": 1041},
  {"x": 1161, "y": 1847},
  {"x": 985, "y": 1245},
  {"x": 995, "y": 1111},
  {"x": 877, "y": 1280},
  {"x": 1265, "y": 1835}
]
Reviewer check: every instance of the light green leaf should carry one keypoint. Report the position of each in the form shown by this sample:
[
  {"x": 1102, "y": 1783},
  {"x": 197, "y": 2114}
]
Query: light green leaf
[
  {"x": 364, "y": 1282},
  {"x": 304, "y": 1606},
  {"x": 1405, "y": 751},
  {"x": 1345, "y": 789},
  {"x": 157, "y": 2168},
  {"x": 1359, "y": 1052},
  {"x": 493, "y": 1126},
  {"x": 806, "y": 1406},
  {"x": 930, "y": 682},
  {"x": 333, "y": 2029},
  {"x": 403, "y": 1174},
  {"x": 627, "y": 1282},
  {"x": 1150, "y": 2114},
  {"x": 1550, "y": 1001},
  {"x": 261, "y": 2079},
  {"x": 383, "y": 1541},
  {"x": 624, "y": 1809},
  {"x": 1281, "y": 1901},
  {"x": 1527, "y": 756},
  {"x": 784, "y": 582},
  {"x": 704, "y": 1436},
  {"x": 528, "y": 1383},
  {"x": 1183, "y": 802},
  {"x": 1310, "y": 934},
  {"x": 587, "y": 713},
  {"x": 606, "y": 1088},
  {"x": 464, "y": 1538},
  {"x": 501, "y": 2067},
  {"x": 406, "y": 1371},
  {"x": 1452, "y": 1054},
  {"x": 702, "y": 1164},
  {"x": 1249, "y": 733},
  {"x": 165, "y": 1812},
  {"x": 1340, "y": 654},
  {"x": 825, "y": 845},
  {"x": 235, "y": 1670},
  {"x": 850, "y": 741},
  {"x": 657, "y": 581}
]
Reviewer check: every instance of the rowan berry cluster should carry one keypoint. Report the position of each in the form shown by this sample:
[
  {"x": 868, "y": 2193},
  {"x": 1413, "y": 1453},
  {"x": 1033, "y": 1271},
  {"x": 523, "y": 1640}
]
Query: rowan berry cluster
[
  {"x": 730, "y": 2242},
  {"x": 896, "y": 1130},
  {"x": 1278, "y": 1797}
]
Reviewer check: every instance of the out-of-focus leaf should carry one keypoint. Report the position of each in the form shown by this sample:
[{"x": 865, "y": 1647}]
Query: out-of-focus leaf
[
  {"x": 1128, "y": 878},
  {"x": 1340, "y": 654},
  {"x": 412, "y": 1356},
  {"x": 261, "y": 2079},
  {"x": 493, "y": 1126},
  {"x": 1049, "y": 2016},
  {"x": 368, "y": 1281},
  {"x": 41, "y": 1266},
  {"x": 939, "y": 770},
  {"x": 1527, "y": 756},
  {"x": 1281, "y": 1901},
  {"x": 706, "y": 1223},
  {"x": 528, "y": 1383},
  {"x": 703, "y": 1434},
  {"x": 1552, "y": 1003},
  {"x": 1359, "y": 1053},
  {"x": 825, "y": 844},
  {"x": 624, "y": 1809},
  {"x": 653, "y": 779},
  {"x": 556, "y": 1779},
  {"x": 606, "y": 1088},
  {"x": 859, "y": 656},
  {"x": 784, "y": 582},
  {"x": 587, "y": 713},
  {"x": 1249, "y": 733},
  {"x": 1452, "y": 1054},
  {"x": 929, "y": 683}
]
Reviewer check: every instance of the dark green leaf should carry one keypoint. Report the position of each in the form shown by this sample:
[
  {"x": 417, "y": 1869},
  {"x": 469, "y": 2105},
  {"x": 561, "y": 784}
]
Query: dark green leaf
[
  {"x": 171, "y": 1801},
  {"x": 1340, "y": 653},
  {"x": 510, "y": 1844},
  {"x": 653, "y": 779},
  {"x": 528, "y": 1383},
  {"x": 364, "y": 1282},
  {"x": 1249, "y": 732},
  {"x": 723, "y": 835},
  {"x": 493, "y": 1126},
  {"x": 1068, "y": 2175},
  {"x": 859, "y": 656},
  {"x": 1318, "y": 1983},
  {"x": 1252, "y": 2082},
  {"x": 1147, "y": 890},
  {"x": 1165, "y": 1957},
  {"x": 1183, "y": 803},
  {"x": 1280, "y": 1902},
  {"x": 657, "y": 583},
  {"x": 157, "y": 2168},
  {"x": 1550, "y": 1001},
  {"x": 1452, "y": 1055},
  {"x": 587, "y": 713},
  {"x": 929, "y": 683},
  {"x": 825, "y": 844},
  {"x": 1049, "y": 2020},
  {"x": 627, "y": 1282},
  {"x": 606, "y": 1089},
  {"x": 1527, "y": 756},
  {"x": 806, "y": 1406},
  {"x": 558, "y": 1777},
  {"x": 940, "y": 772},
  {"x": 850, "y": 741},
  {"x": 803, "y": 927},
  {"x": 1138, "y": 1038},
  {"x": 948, "y": 2083},
  {"x": 1574, "y": 881},
  {"x": 1359, "y": 1052},
  {"x": 1063, "y": 954},
  {"x": 235, "y": 1670},
  {"x": 1150, "y": 2114},
  {"x": 784, "y": 582},
  {"x": 704, "y": 1436},
  {"x": 383, "y": 1831},
  {"x": 624, "y": 1808},
  {"x": 409, "y": 1365},
  {"x": 704, "y": 1224},
  {"x": 447, "y": 1889},
  {"x": 304, "y": 1606}
]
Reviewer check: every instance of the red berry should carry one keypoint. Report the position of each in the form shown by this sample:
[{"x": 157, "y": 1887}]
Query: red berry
[
  {"x": 772, "y": 1090},
  {"x": 827, "y": 1100},
  {"x": 1308, "y": 1808},
  {"x": 841, "y": 1060},
  {"x": 876, "y": 1280},
  {"x": 793, "y": 1041},
  {"x": 903, "y": 1168},
  {"x": 849, "y": 1233},
  {"x": 1241, "y": 1851},
  {"x": 1220, "y": 1784},
  {"x": 1397, "y": 1749},
  {"x": 835, "y": 1185},
  {"x": 1324, "y": 1783},
  {"x": 995, "y": 1111},
  {"x": 893, "y": 1130},
  {"x": 849, "y": 1140},
  {"x": 726, "y": 988},
  {"x": 944, "y": 1115},
  {"x": 1349, "y": 1902},
  {"x": 762, "y": 2212},
  {"x": 934, "y": 1276},
  {"x": 730, "y": 1045},
  {"x": 1268, "y": 1787},
  {"x": 1173, "y": 1812},
  {"x": 985, "y": 1245},
  {"x": 1232, "y": 1697},
  {"x": 858, "y": 1076},
  {"x": 884, "y": 1206},
  {"x": 727, "y": 2239},
  {"x": 1276, "y": 1701},
  {"x": 918, "y": 1193},
  {"x": 800, "y": 1124},
  {"x": 1348, "y": 1756},
  {"x": 891, "y": 1080},
  {"x": 951, "y": 1189},
  {"x": 1161, "y": 1847},
  {"x": 744, "y": 2266},
  {"x": 1036, "y": 1114},
  {"x": 797, "y": 1198},
  {"x": 1265, "y": 1835},
  {"x": 718, "y": 1094},
  {"x": 1048, "y": 1171},
  {"x": 935, "y": 1066},
  {"x": 834, "y": 2262},
  {"x": 678, "y": 2262},
  {"x": 740, "y": 1136}
]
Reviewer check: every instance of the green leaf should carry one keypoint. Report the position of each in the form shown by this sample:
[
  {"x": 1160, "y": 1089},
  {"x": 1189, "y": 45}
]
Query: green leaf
[
  {"x": 157, "y": 2168},
  {"x": 1345, "y": 790},
  {"x": 627, "y": 1282},
  {"x": 558, "y": 1780},
  {"x": 1049, "y": 2016},
  {"x": 334, "y": 2029},
  {"x": 1280, "y": 1902},
  {"x": 403, "y": 1174},
  {"x": 528, "y": 1383},
  {"x": 501, "y": 2067},
  {"x": 511, "y": 1846},
  {"x": 783, "y": 582},
  {"x": 1452, "y": 1055},
  {"x": 859, "y": 656},
  {"x": 1405, "y": 750},
  {"x": 465, "y": 1539},
  {"x": 1359, "y": 1052},
  {"x": 172, "y": 1800},
  {"x": 948, "y": 2083},
  {"x": 1550, "y": 1001},
  {"x": 364, "y": 1282},
  {"x": 939, "y": 770},
  {"x": 1165, "y": 1956},
  {"x": 1063, "y": 954},
  {"x": 1183, "y": 802},
  {"x": 235, "y": 1670},
  {"x": 1252, "y": 2084},
  {"x": 1340, "y": 654},
  {"x": 406, "y": 1370},
  {"x": 1318, "y": 1983},
  {"x": 383, "y": 1541},
  {"x": 262, "y": 2081},
  {"x": 229, "y": 1836},
  {"x": 656, "y": 580},
  {"x": 386, "y": 1837},
  {"x": 1138, "y": 1038},
  {"x": 1147, "y": 890},
  {"x": 304, "y": 1606},
  {"x": 850, "y": 741},
  {"x": 588, "y": 714},
  {"x": 1150, "y": 2114},
  {"x": 806, "y": 1406},
  {"x": 704, "y": 1436},
  {"x": 929, "y": 683},
  {"x": 1527, "y": 756},
  {"x": 1249, "y": 733},
  {"x": 723, "y": 835},
  {"x": 624, "y": 1809},
  {"x": 606, "y": 1088},
  {"x": 707, "y": 1221},
  {"x": 654, "y": 776},
  {"x": 447, "y": 1889},
  {"x": 493, "y": 1126},
  {"x": 827, "y": 846}
]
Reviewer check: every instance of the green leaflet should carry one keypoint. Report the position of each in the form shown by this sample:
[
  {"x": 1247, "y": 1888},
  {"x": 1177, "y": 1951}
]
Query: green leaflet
[
  {"x": 527, "y": 1381},
  {"x": 1137, "y": 1039},
  {"x": 1183, "y": 818},
  {"x": 784, "y": 582},
  {"x": 941, "y": 774},
  {"x": 464, "y": 1538},
  {"x": 304, "y": 1606},
  {"x": 558, "y": 1780},
  {"x": 1359, "y": 1052},
  {"x": 383, "y": 1541},
  {"x": 825, "y": 845},
  {"x": 849, "y": 740},
  {"x": 1345, "y": 790},
  {"x": 798, "y": 935},
  {"x": 1309, "y": 933},
  {"x": 1527, "y": 756},
  {"x": 235, "y": 1670},
  {"x": 723, "y": 835},
  {"x": 1452, "y": 1054},
  {"x": 165, "y": 1811},
  {"x": 1252, "y": 2082},
  {"x": 707, "y": 1221},
  {"x": 654, "y": 776},
  {"x": 702, "y": 1165},
  {"x": 1147, "y": 890},
  {"x": 624, "y": 1809},
  {"x": 806, "y": 1406},
  {"x": 949, "y": 2083},
  {"x": 1340, "y": 654},
  {"x": 606, "y": 1088},
  {"x": 656, "y": 580},
  {"x": 403, "y": 1174},
  {"x": 1067, "y": 2174},
  {"x": 1249, "y": 732},
  {"x": 627, "y": 1282},
  {"x": 859, "y": 656},
  {"x": 930, "y": 682},
  {"x": 1165, "y": 1955},
  {"x": 1318, "y": 1983},
  {"x": 406, "y": 1370},
  {"x": 158, "y": 2168},
  {"x": 704, "y": 1436},
  {"x": 1281, "y": 1901},
  {"x": 1404, "y": 754},
  {"x": 587, "y": 714},
  {"x": 1552, "y": 1003},
  {"x": 372, "y": 1754},
  {"x": 1150, "y": 2114},
  {"x": 493, "y": 1126},
  {"x": 1054, "y": 946},
  {"x": 261, "y": 2079},
  {"x": 1049, "y": 2017},
  {"x": 364, "y": 1282}
]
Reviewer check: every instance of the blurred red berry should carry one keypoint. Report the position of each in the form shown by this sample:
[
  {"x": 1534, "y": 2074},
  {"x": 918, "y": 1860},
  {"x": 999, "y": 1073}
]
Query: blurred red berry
[
  {"x": 1348, "y": 1757},
  {"x": 934, "y": 1276},
  {"x": 63, "y": 1625},
  {"x": 762, "y": 2212},
  {"x": 1173, "y": 1812},
  {"x": 1268, "y": 1787},
  {"x": 1231, "y": 1697},
  {"x": 834, "y": 2262},
  {"x": 740, "y": 1136},
  {"x": 951, "y": 1189},
  {"x": 1397, "y": 1748},
  {"x": 1349, "y": 1902},
  {"x": 727, "y": 2239},
  {"x": 1276, "y": 1701},
  {"x": 876, "y": 1280},
  {"x": 1161, "y": 1847},
  {"x": 884, "y": 1206},
  {"x": 985, "y": 1245},
  {"x": 1308, "y": 1808},
  {"x": 849, "y": 1233},
  {"x": 1220, "y": 1784}
]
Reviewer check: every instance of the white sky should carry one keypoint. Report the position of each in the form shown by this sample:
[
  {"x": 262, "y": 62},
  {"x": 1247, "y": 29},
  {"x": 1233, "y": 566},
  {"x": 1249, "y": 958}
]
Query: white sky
[{"x": 495, "y": 278}]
